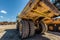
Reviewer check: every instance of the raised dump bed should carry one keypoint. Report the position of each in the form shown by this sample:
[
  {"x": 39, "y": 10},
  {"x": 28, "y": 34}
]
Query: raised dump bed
[{"x": 31, "y": 19}]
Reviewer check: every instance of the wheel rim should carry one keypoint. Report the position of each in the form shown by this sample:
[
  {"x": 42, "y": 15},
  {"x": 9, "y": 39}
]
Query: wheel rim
[{"x": 43, "y": 27}]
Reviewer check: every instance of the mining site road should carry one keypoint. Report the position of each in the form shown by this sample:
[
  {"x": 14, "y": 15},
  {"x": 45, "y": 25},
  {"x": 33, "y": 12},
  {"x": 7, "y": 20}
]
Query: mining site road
[{"x": 9, "y": 32}]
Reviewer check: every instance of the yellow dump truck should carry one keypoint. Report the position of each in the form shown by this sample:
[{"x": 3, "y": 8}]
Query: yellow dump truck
[{"x": 31, "y": 19}]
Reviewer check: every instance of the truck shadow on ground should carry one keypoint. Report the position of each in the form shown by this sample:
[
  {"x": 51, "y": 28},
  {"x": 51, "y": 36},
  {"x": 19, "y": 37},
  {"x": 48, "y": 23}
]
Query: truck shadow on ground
[
  {"x": 12, "y": 34},
  {"x": 55, "y": 33}
]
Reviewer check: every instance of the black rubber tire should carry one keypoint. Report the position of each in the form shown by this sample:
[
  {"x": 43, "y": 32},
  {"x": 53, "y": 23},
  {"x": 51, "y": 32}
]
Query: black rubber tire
[
  {"x": 31, "y": 28},
  {"x": 17, "y": 26},
  {"x": 43, "y": 27},
  {"x": 24, "y": 29}
]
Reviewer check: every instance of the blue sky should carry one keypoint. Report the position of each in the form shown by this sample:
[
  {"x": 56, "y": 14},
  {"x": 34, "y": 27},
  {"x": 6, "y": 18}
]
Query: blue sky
[{"x": 10, "y": 8}]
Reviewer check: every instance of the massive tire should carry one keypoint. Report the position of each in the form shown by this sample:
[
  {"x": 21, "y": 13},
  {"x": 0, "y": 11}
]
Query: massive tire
[
  {"x": 43, "y": 27},
  {"x": 31, "y": 28},
  {"x": 24, "y": 29},
  {"x": 17, "y": 24}
]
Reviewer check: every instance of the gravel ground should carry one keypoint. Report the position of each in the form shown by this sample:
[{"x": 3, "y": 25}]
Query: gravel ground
[{"x": 8, "y": 32}]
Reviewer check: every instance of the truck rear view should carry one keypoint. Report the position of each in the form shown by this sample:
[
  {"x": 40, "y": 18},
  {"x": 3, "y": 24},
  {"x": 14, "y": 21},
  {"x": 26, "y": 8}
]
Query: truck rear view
[{"x": 31, "y": 19}]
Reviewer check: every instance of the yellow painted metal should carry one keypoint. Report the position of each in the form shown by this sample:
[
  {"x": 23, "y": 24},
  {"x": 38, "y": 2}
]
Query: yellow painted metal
[{"x": 37, "y": 8}]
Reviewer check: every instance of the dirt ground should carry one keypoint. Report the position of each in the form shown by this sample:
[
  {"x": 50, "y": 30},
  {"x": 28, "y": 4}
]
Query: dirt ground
[{"x": 8, "y": 32}]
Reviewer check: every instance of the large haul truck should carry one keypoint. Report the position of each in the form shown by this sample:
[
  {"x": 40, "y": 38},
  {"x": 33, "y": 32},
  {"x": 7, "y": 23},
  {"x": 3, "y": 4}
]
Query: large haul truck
[{"x": 31, "y": 19}]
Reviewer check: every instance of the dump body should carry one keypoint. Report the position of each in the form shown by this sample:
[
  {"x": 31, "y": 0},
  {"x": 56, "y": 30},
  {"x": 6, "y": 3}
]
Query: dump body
[
  {"x": 52, "y": 21},
  {"x": 31, "y": 19},
  {"x": 39, "y": 8}
]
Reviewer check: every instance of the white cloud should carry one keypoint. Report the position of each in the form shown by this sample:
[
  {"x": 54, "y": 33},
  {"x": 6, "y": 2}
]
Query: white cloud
[
  {"x": 3, "y": 11},
  {"x": 1, "y": 16}
]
